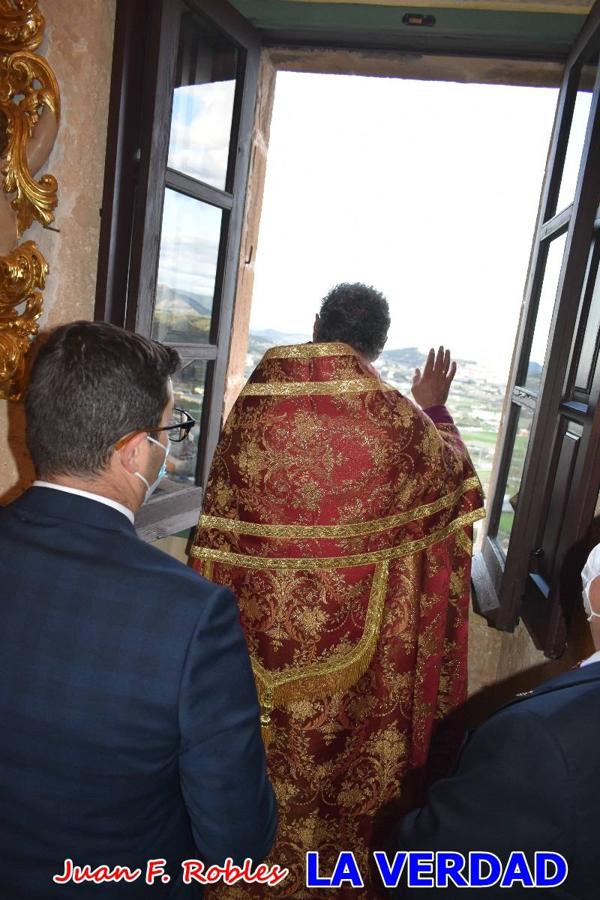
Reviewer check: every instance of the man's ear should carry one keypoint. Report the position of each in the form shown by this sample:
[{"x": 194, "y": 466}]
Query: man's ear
[
  {"x": 316, "y": 328},
  {"x": 130, "y": 452}
]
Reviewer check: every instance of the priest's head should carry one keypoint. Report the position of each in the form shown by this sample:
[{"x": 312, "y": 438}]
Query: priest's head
[{"x": 354, "y": 314}]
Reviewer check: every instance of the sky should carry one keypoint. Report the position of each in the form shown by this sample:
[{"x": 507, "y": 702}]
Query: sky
[
  {"x": 427, "y": 190},
  {"x": 198, "y": 146}
]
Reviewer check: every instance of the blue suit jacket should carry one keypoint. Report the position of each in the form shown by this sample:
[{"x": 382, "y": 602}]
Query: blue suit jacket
[
  {"x": 528, "y": 779},
  {"x": 128, "y": 714}
]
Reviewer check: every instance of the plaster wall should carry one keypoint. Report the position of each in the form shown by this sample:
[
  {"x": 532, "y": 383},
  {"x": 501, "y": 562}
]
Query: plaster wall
[{"x": 78, "y": 45}]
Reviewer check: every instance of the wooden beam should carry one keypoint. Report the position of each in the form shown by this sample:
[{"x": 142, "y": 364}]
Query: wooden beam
[
  {"x": 382, "y": 63},
  {"x": 564, "y": 7}
]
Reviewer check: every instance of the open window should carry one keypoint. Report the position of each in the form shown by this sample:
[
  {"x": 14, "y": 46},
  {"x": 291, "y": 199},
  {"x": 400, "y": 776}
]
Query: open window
[
  {"x": 182, "y": 106},
  {"x": 547, "y": 471},
  {"x": 184, "y": 92}
]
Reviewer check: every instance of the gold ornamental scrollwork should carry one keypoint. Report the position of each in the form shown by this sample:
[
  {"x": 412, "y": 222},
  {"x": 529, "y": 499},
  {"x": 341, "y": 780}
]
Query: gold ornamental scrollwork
[
  {"x": 22, "y": 276},
  {"x": 18, "y": 75},
  {"x": 29, "y": 116},
  {"x": 21, "y": 25}
]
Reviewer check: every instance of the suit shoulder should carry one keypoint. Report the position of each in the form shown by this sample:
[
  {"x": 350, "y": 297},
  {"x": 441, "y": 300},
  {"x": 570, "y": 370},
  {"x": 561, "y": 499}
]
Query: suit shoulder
[
  {"x": 564, "y": 713},
  {"x": 569, "y": 709},
  {"x": 518, "y": 718},
  {"x": 569, "y": 690},
  {"x": 183, "y": 578}
]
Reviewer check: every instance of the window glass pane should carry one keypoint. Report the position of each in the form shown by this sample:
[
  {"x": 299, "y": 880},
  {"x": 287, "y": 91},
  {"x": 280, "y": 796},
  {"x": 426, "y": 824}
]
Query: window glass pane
[
  {"x": 575, "y": 428},
  {"x": 202, "y": 103},
  {"x": 544, "y": 313},
  {"x": 187, "y": 269},
  {"x": 581, "y": 112},
  {"x": 188, "y": 388},
  {"x": 515, "y": 473}
]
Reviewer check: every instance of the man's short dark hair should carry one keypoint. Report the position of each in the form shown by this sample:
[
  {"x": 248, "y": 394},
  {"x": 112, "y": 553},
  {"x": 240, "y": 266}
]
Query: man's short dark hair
[
  {"x": 357, "y": 315},
  {"x": 91, "y": 384}
]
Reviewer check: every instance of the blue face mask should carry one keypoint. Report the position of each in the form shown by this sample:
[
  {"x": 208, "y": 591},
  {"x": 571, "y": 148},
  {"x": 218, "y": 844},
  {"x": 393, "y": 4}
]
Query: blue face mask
[{"x": 150, "y": 488}]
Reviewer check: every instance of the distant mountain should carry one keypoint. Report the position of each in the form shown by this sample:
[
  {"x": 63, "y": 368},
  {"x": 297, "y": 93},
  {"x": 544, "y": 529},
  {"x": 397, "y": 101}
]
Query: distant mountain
[
  {"x": 257, "y": 345},
  {"x": 406, "y": 356},
  {"x": 410, "y": 357},
  {"x": 170, "y": 298},
  {"x": 260, "y": 341},
  {"x": 534, "y": 375},
  {"x": 280, "y": 338}
]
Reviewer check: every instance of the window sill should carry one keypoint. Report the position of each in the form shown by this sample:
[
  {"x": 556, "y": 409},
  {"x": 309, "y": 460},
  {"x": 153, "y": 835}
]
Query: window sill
[{"x": 172, "y": 508}]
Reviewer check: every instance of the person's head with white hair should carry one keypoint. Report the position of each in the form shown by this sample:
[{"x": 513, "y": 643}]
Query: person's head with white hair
[{"x": 590, "y": 578}]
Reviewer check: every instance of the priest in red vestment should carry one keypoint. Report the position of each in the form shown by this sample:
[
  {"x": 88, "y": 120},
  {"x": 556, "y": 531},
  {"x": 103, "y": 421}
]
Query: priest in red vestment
[{"x": 340, "y": 514}]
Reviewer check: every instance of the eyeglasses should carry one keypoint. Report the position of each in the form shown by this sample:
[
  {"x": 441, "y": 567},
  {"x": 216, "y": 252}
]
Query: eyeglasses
[{"x": 178, "y": 429}]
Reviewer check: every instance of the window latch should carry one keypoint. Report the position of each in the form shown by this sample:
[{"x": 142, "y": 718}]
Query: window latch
[{"x": 536, "y": 557}]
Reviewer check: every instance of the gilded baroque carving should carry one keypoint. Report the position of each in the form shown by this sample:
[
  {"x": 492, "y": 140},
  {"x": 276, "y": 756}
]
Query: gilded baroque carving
[
  {"x": 22, "y": 272},
  {"x": 21, "y": 25},
  {"x": 19, "y": 73},
  {"x": 29, "y": 115}
]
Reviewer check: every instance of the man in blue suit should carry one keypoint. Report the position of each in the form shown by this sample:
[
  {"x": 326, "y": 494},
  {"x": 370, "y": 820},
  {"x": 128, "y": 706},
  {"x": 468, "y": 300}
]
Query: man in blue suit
[
  {"x": 128, "y": 713},
  {"x": 528, "y": 780}
]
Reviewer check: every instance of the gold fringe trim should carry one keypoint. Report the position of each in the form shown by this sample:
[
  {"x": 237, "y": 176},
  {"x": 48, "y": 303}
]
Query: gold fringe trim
[
  {"x": 321, "y": 678},
  {"x": 255, "y": 529},
  {"x": 309, "y": 351},
  {"x": 310, "y": 388},
  {"x": 311, "y": 564}
]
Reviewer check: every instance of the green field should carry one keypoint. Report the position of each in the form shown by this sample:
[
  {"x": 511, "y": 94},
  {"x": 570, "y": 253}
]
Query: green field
[{"x": 479, "y": 438}]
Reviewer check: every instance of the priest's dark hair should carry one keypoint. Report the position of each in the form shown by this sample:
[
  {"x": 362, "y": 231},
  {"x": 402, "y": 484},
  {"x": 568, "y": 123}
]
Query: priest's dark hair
[
  {"x": 91, "y": 384},
  {"x": 355, "y": 314}
]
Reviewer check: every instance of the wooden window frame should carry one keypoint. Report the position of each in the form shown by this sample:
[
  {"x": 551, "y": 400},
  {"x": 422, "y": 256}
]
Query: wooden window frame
[
  {"x": 530, "y": 583},
  {"x": 136, "y": 177}
]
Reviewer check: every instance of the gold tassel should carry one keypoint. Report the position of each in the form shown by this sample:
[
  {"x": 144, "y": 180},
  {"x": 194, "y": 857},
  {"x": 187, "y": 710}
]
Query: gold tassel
[{"x": 322, "y": 678}]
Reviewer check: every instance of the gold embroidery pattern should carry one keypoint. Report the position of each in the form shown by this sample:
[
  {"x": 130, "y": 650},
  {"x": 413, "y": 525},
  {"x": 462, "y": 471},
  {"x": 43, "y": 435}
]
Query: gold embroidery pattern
[
  {"x": 337, "y": 756},
  {"x": 337, "y": 673},
  {"x": 256, "y": 529},
  {"x": 309, "y": 351},
  {"x": 337, "y": 562},
  {"x": 311, "y": 388}
]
